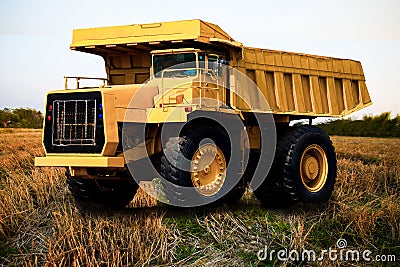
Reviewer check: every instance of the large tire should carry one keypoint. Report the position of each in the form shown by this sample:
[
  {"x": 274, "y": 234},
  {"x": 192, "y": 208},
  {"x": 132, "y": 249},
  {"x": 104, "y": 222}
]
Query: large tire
[
  {"x": 270, "y": 193},
  {"x": 114, "y": 194},
  {"x": 304, "y": 169},
  {"x": 179, "y": 157}
]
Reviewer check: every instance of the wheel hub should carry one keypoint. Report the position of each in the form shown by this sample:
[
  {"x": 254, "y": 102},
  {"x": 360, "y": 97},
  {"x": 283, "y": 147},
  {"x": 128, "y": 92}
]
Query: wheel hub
[
  {"x": 314, "y": 168},
  {"x": 311, "y": 167},
  {"x": 208, "y": 169}
]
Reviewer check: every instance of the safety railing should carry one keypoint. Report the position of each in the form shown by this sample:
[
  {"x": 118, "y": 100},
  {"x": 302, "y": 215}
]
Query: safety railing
[{"x": 78, "y": 79}]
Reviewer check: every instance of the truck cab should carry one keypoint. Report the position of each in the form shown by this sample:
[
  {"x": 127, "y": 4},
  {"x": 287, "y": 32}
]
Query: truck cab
[{"x": 173, "y": 70}]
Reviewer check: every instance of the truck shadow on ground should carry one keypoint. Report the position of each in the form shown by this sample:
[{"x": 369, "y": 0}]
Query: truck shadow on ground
[{"x": 252, "y": 207}]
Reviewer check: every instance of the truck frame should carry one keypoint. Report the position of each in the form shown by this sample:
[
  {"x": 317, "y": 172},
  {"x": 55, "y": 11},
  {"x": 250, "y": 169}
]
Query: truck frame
[{"x": 185, "y": 103}]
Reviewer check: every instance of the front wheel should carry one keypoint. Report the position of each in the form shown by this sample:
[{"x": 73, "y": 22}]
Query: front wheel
[
  {"x": 111, "y": 193},
  {"x": 199, "y": 160}
]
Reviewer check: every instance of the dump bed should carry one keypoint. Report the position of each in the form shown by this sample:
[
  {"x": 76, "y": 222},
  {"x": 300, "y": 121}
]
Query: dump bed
[
  {"x": 301, "y": 84},
  {"x": 292, "y": 83}
]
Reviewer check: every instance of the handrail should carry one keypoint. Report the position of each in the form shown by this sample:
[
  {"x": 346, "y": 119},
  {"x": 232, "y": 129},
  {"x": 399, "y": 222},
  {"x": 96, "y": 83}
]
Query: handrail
[{"x": 78, "y": 78}]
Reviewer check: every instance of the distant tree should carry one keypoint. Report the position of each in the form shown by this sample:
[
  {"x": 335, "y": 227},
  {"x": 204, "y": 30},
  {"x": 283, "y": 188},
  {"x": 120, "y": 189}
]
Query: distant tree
[
  {"x": 5, "y": 116},
  {"x": 21, "y": 118},
  {"x": 374, "y": 126}
]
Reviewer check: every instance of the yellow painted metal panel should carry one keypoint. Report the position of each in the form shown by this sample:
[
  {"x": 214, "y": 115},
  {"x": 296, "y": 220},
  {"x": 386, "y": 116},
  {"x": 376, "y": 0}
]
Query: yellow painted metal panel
[
  {"x": 339, "y": 94},
  {"x": 324, "y": 95},
  {"x": 287, "y": 60},
  {"x": 288, "y": 81},
  {"x": 296, "y": 61},
  {"x": 271, "y": 96},
  {"x": 304, "y": 63},
  {"x": 322, "y": 64},
  {"x": 306, "y": 88},
  {"x": 278, "y": 59},
  {"x": 332, "y": 99},
  {"x": 364, "y": 93},
  {"x": 152, "y": 33},
  {"x": 337, "y": 66},
  {"x": 281, "y": 98},
  {"x": 316, "y": 95},
  {"x": 260, "y": 57},
  {"x": 84, "y": 161},
  {"x": 250, "y": 56},
  {"x": 110, "y": 125},
  {"x": 355, "y": 91},
  {"x": 265, "y": 83},
  {"x": 251, "y": 74},
  {"x": 312, "y": 63},
  {"x": 269, "y": 59},
  {"x": 349, "y": 100},
  {"x": 169, "y": 114},
  {"x": 254, "y": 94},
  {"x": 130, "y": 78},
  {"x": 298, "y": 93},
  {"x": 346, "y": 66},
  {"x": 356, "y": 68},
  {"x": 329, "y": 63}
]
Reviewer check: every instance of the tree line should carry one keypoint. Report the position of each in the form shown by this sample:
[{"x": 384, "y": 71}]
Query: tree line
[
  {"x": 21, "y": 118},
  {"x": 372, "y": 126}
]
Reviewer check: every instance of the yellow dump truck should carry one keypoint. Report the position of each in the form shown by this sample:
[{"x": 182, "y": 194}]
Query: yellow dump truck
[{"x": 185, "y": 103}]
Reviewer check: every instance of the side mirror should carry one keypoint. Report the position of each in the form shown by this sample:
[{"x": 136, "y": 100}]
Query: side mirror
[{"x": 223, "y": 62}]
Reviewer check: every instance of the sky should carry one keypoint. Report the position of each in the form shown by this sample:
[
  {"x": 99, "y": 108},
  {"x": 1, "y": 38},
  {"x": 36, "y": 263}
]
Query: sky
[{"x": 35, "y": 38}]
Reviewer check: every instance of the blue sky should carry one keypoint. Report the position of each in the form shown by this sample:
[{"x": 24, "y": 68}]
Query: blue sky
[{"x": 35, "y": 38}]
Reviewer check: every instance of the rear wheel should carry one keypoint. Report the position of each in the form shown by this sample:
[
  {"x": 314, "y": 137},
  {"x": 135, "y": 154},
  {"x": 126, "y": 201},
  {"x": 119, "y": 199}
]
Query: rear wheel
[
  {"x": 111, "y": 193},
  {"x": 304, "y": 169},
  {"x": 199, "y": 159},
  {"x": 313, "y": 168}
]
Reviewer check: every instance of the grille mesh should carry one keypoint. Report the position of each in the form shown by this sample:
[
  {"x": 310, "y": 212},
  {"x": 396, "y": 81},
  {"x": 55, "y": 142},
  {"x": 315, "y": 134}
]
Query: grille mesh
[{"x": 75, "y": 122}]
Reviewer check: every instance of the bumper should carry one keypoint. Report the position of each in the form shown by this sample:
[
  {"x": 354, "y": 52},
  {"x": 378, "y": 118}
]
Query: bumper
[{"x": 63, "y": 161}]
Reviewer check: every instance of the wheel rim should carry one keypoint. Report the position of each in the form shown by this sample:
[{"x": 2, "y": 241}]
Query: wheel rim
[
  {"x": 314, "y": 168},
  {"x": 208, "y": 169}
]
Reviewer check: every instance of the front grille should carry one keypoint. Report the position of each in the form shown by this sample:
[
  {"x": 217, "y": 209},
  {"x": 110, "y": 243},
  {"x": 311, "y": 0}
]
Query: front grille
[{"x": 74, "y": 123}]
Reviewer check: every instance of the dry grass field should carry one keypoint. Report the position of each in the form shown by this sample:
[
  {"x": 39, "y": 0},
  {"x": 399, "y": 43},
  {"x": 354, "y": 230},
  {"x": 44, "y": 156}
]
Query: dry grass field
[{"x": 41, "y": 225}]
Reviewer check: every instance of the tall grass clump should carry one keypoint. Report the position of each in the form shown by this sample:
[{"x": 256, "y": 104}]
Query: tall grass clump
[{"x": 41, "y": 225}]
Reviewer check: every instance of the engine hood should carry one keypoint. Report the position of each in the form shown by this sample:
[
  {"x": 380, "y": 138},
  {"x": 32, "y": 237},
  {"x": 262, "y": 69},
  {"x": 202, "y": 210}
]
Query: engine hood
[{"x": 132, "y": 96}]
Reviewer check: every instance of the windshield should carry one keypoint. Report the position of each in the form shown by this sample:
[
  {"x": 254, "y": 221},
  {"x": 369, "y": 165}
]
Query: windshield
[{"x": 186, "y": 65}]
